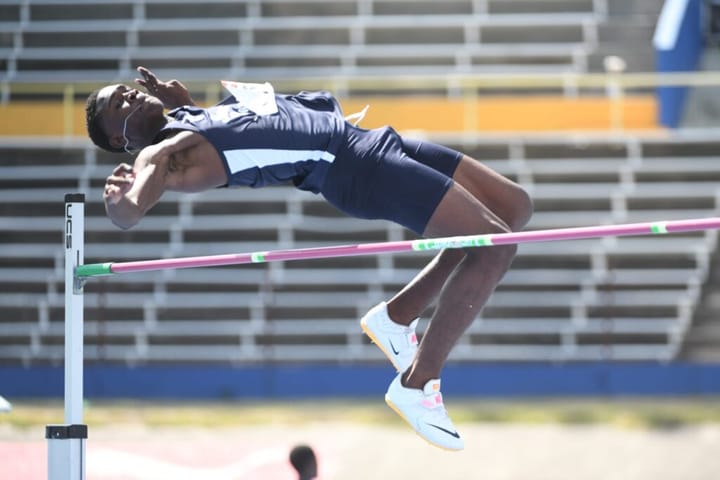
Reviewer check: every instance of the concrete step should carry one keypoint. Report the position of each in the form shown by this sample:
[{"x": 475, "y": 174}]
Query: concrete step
[
  {"x": 708, "y": 334},
  {"x": 631, "y": 32},
  {"x": 702, "y": 354},
  {"x": 624, "y": 8},
  {"x": 637, "y": 58},
  {"x": 703, "y": 103}
]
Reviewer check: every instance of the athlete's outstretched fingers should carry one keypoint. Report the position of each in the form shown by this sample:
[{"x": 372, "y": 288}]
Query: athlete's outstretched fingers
[{"x": 148, "y": 80}]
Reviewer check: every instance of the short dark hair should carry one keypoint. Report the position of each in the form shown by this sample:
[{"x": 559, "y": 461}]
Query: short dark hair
[{"x": 94, "y": 129}]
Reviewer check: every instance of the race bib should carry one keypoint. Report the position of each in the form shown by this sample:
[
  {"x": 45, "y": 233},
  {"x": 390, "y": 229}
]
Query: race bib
[{"x": 258, "y": 97}]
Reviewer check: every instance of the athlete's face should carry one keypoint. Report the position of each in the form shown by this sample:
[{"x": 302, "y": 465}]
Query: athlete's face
[{"x": 130, "y": 118}]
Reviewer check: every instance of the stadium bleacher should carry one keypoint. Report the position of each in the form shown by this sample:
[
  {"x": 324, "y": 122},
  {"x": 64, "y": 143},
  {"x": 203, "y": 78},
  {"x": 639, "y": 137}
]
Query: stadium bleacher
[
  {"x": 623, "y": 299},
  {"x": 602, "y": 299},
  {"x": 50, "y": 39}
]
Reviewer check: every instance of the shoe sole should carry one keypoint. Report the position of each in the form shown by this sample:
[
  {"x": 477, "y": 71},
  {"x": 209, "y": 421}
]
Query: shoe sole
[
  {"x": 397, "y": 410},
  {"x": 374, "y": 339}
]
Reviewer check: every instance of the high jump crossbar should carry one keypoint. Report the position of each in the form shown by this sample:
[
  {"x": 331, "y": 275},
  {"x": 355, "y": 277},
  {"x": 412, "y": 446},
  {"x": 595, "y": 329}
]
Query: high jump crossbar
[{"x": 484, "y": 240}]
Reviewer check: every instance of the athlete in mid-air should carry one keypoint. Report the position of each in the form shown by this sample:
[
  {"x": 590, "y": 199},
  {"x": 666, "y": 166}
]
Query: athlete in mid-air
[{"x": 259, "y": 138}]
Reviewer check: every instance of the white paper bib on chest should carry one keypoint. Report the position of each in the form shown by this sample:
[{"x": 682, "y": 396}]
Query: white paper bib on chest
[{"x": 258, "y": 97}]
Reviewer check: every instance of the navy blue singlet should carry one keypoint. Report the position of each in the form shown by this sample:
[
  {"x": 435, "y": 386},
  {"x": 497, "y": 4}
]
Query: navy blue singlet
[
  {"x": 295, "y": 145},
  {"x": 372, "y": 174}
]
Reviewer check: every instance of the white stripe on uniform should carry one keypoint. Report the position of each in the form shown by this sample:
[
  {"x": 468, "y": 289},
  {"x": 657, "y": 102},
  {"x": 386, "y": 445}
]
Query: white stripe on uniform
[{"x": 245, "y": 158}]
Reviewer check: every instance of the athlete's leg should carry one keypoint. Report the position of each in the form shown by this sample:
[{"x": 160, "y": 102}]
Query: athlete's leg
[
  {"x": 469, "y": 285},
  {"x": 415, "y": 394},
  {"x": 512, "y": 208}
]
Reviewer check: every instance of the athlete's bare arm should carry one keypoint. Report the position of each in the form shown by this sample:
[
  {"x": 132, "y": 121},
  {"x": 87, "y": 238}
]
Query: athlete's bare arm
[{"x": 185, "y": 162}]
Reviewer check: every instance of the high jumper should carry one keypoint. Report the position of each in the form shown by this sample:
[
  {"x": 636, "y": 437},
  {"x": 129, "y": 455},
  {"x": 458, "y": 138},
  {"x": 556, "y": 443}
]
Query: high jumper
[{"x": 257, "y": 138}]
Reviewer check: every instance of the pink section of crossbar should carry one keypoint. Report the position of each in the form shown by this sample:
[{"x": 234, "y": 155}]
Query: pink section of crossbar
[
  {"x": 577, "y": 233},
  {"x": 272, "y": 256},
  {"x": 559, "y": 234}
]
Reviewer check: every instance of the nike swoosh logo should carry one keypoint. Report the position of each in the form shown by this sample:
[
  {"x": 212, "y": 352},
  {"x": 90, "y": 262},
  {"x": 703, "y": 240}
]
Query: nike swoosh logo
[
  {"x": 396, "y": 352},
  {"x": 449, "y": 432}
]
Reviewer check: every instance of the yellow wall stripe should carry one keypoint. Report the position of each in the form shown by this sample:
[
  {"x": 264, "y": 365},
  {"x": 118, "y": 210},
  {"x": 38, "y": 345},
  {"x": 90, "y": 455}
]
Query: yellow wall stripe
[{"x": 496, "y": 114}]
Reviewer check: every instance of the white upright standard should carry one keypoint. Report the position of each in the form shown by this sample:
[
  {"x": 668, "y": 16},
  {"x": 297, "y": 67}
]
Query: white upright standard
[{"x": 66, "y": 442}]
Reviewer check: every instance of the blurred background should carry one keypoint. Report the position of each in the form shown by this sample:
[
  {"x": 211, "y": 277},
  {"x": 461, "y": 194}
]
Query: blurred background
[{"x": 606, "y": 111}]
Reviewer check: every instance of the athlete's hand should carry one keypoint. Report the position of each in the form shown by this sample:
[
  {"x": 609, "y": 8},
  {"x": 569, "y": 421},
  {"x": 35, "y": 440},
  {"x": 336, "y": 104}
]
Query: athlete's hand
[
  {"x": 118, "y": 184},
  {"x": 172, "y": 93}
]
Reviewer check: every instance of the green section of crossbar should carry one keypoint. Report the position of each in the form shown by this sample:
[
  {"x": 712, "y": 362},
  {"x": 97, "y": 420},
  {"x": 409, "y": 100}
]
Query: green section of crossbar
[
  {"x": 93, "y": 269},
  {"x": 452, "y": 242}
]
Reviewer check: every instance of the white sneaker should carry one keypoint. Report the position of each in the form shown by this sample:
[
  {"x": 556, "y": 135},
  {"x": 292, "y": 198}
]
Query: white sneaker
[
  {"x": 398, "y": 342},
  {"x": 425, "y": 412}
]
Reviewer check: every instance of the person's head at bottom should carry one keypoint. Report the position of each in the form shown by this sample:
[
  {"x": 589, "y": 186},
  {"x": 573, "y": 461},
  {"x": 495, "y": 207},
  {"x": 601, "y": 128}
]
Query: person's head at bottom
[{"x": 303, "y": 459}]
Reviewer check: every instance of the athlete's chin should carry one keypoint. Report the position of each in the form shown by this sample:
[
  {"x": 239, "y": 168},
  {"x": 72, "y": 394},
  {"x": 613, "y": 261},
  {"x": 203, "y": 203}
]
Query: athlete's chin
[
  {"x": 153, "y": 109},
  {"x": 154, "y": 105}
]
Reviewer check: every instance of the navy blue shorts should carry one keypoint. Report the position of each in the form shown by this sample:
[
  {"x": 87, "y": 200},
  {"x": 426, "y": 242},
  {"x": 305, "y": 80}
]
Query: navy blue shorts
[{"x": 380, "y": 175}]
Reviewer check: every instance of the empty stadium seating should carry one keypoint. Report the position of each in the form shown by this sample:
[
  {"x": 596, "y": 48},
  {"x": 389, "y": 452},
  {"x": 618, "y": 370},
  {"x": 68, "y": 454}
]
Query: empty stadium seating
[
  {"x": 601, "y": 299},
  {"x": 65, "y": 41},
  {"x": 622, "y": 299}
]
